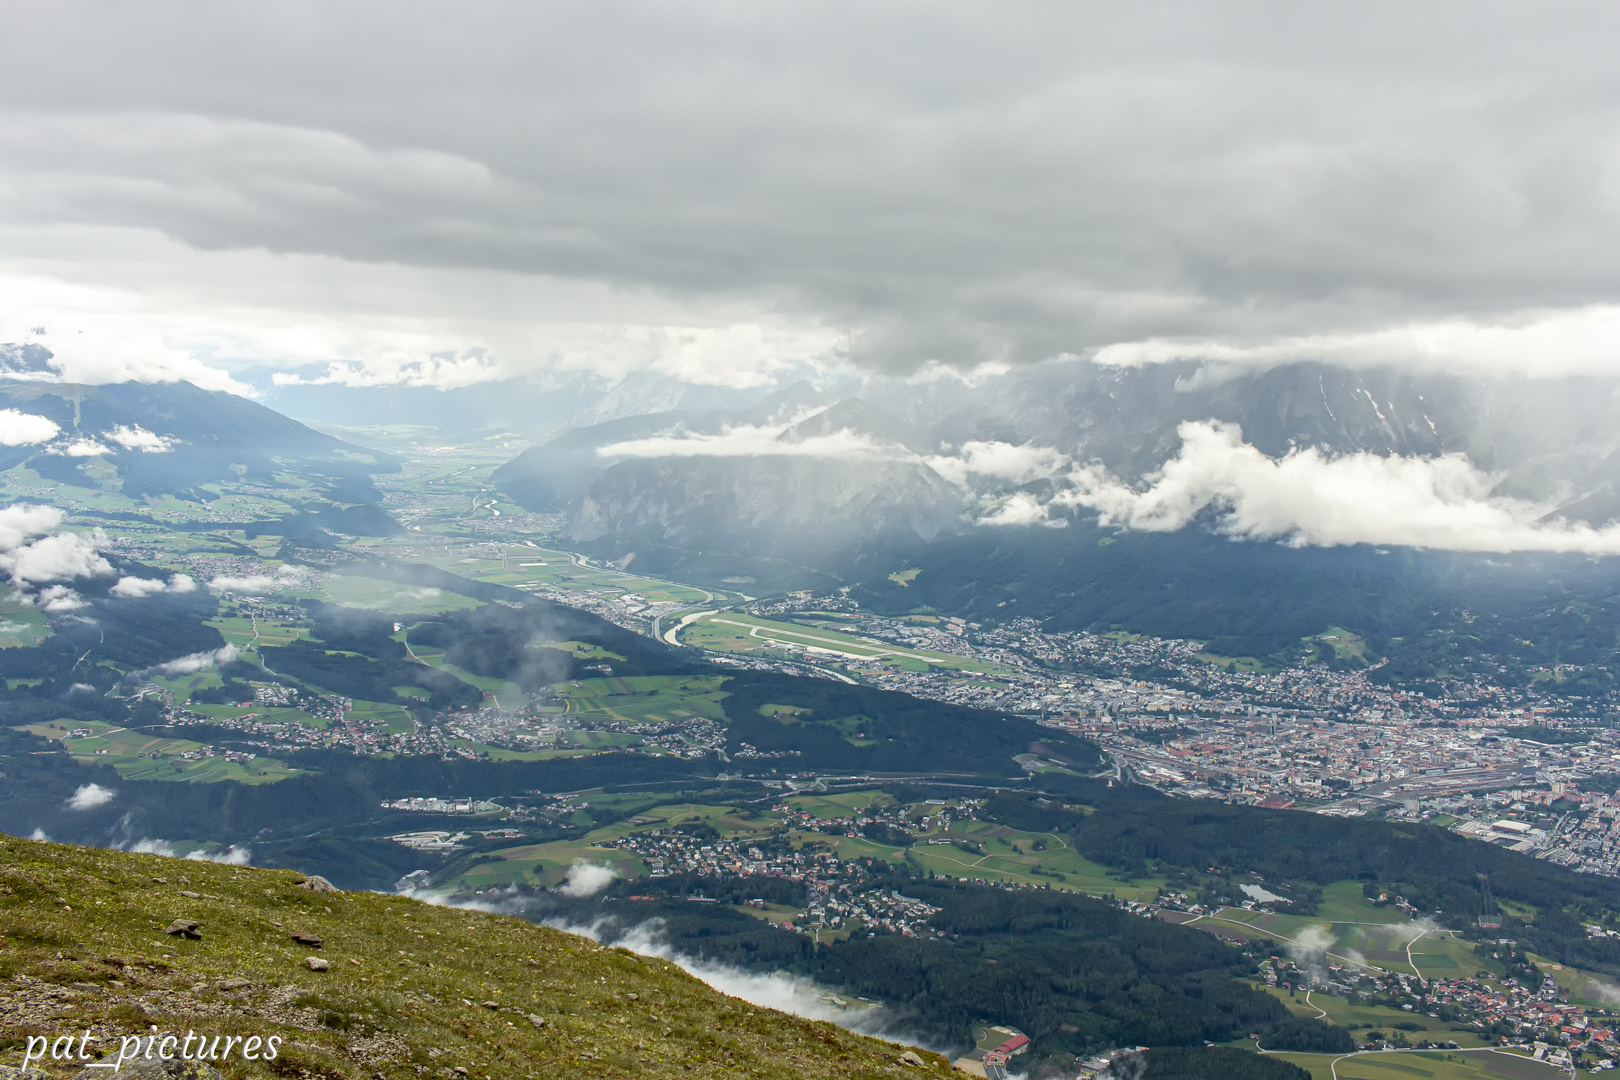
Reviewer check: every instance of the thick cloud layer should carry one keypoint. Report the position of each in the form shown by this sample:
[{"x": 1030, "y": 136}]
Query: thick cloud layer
[
  {"x": 1311, "y": 498},
  {"x": 727, "y": 192}
]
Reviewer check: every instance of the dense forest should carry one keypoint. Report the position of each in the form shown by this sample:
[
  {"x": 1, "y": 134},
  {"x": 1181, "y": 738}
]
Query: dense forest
[
  {"x": 1078, "y": 975},
  {"x": 1436, "y": 870}
]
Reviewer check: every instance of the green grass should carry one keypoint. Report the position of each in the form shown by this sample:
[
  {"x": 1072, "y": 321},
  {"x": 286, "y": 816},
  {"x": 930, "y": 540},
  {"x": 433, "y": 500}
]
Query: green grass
[
  {"x": 1585, "y": 987},
  {"x": 244, "y": 633},
  {"x": 137, "y": 756},
  {"x": 1342, "y": 902},
  {"x": 1345, "y": 645},
  {"x": 22, "y": 625},
  {"x": 548, "y": 863},
  {"x": 1360, "y": 1019},
  {"x": 1380, "y": 944},
  {"x": 426, "y": 987},
  {"x": 847, "y": 804},
  {"x": 396, "y": 718},
  {"x": 645, "y": 698},
  {"x": 1245, "y": 664},
  {"x": 1425, "y": 1065},
  {"x": 1011, "y": 855}
]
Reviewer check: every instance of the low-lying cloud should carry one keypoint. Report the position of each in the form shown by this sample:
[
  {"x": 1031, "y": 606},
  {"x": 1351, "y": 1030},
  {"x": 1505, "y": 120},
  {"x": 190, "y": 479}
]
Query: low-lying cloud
[
  {"x": 20, "y": 521},
  {"x": 192, "y": 663},
  {"x": 231, "y": 856},
  {"x": 758, "y": 440},
  {"x": 771, "y": 990},
  {"x": 134, "y": 588},
  {"x": 285, "y": 577},
  {"x": 587, "y": 879},
  {"x": 90, "y": 796},
  {"x": 135, "y": 437},
  {"x": 18, "y": 428},
  {"x": 57, "y": 557},
  {"x": 58, "y": 599},
  {"x": 1312, "y": 498}
]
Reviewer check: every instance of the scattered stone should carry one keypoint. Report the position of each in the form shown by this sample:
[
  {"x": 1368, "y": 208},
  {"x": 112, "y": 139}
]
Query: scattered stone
[
  {"x": 9, "y": 1073},
  {"x": 460, "y": 1070},
  {"x": 316, "y": 963},
  {"x": 233, "y": 984},
  {"x": 85, "y": 986},
  {"x": 314, "y": 941},
  {"x": 155, "y": 1070},
  {"x": 537, "y": 1021},
  {"x": 353, "y": 961},
  {"x": 161, "y": 880},
  {"x": 911, "y": 1057},
  {"x": 189, "y": 895},
  {"x": 316, "y": 883},
  {"x": 183, "y": 880},
  {"x": 492, "y": 1004},
  {"x": 631, "y": 997},
  {"x": 188, "y": 928}
]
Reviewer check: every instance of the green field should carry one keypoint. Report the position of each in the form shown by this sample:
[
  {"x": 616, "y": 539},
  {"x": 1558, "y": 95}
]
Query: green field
[
  {"x": 1011, "y": 855},
  {"x": 1360, "y": 1019},
  {"x": 732, "y": 632},
  {"x": 144, "y": 757},
  {"x": 845, "y": 805},
  {"x": 22, "y": 625},
  {"x": 248, "y": 633},
  {"x": 1426, "y": 1065},
  {"x": 524, "y": 567},
  {"x": 1585, "y": 988},
  {"x": 507, "y": 695},
  {"x": 645, "y": 698},
  {"x": 548, "y": 864}
]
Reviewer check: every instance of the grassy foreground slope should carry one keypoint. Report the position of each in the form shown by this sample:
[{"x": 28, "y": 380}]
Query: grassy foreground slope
[{"x": 412, "y": 990}]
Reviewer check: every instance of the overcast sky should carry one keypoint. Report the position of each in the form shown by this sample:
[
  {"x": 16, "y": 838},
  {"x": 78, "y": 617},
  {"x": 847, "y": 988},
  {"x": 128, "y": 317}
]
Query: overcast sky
[{"x": 443, "y": 193}]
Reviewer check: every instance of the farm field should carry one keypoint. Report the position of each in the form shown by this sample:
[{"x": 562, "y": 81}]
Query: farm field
[
  {"x": 1426, "y": 1065},
  {"x": 1011, "y": 855},
  {"x": 248, "y": 633},
  {"x": 1392, "y": 942},
  {"x": 644, "y": 698},
  {"x": 1360, "y": 1019},
  {"x": 1584, "y": 987},
  {"x": 548, "y": 864},
  {"x": 144, "y": 757},
  {"x": 22, "y": 625}
]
